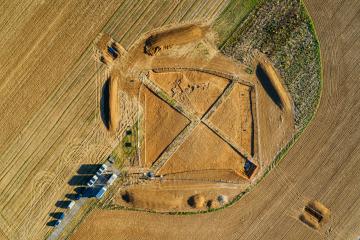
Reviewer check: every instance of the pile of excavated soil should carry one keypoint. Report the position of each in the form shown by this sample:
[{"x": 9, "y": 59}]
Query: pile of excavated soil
[{"x": 178, "y": 36}]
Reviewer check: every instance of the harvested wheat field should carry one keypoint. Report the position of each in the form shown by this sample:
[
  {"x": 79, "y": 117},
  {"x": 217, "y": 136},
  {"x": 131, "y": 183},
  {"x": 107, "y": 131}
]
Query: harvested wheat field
[
  {"x": 321, "y": 165},
  {"x": 51, "y": 87},
  {"x": 203, "y": 112}
]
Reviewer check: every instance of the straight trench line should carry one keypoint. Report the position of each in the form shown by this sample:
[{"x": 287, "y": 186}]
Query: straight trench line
[
  {"x": 174, "y": 145},
  {"x": 195, "y": 121}
]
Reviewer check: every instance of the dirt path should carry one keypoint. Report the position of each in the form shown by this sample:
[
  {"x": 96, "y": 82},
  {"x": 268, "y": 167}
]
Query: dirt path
[{"x": 323, "y": 165}]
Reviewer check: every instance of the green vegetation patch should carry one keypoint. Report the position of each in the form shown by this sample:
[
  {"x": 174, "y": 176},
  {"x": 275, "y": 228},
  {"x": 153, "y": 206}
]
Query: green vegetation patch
[
  {"x": 284, "y": 32},
  {"x": 126, "y": 150},
  {"x": 232, "y": 16}
]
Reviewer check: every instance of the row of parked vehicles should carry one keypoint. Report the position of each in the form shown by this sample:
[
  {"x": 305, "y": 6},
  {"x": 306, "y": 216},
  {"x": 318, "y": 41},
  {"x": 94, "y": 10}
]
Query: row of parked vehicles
[
  {"x": 102, "y": 169},
  {"x": 94, "y": 178}
]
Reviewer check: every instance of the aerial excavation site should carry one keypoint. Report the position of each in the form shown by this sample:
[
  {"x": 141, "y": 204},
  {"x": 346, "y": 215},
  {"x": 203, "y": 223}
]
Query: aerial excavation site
[{"x": 179, "y": 119}]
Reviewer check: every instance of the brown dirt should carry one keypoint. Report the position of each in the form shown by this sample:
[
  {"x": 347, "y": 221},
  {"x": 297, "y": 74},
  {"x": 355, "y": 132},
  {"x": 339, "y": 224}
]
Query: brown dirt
[
  {"x": 234, "y": 117},
  {"x": 113, "y": 104},
  {"x": 179, "y": 36},
  {"x": 275, "y": 82},
  {"x": 196, "y": 91},
  {"x": 49, "y": 94},
  {"x": 161, "y": 125},
  {"x": 310, "y": 220},
  {"x": 323, "y": 164},
  {"x": 173, "y": 195},
  {"x": 201, "y": 152},
  {"x": 275, "y": 126},
  {"x": 217, "y": 175},
  {"x": 196, "y": 201}
]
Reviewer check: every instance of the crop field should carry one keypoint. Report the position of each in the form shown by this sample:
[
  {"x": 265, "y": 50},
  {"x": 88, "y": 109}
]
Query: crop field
[
  {"x": 323, "y": 164},
  {"x": 192, "y": 102},
  {"x": 50, "y": 94},
  {"x": 198, "y": 93}
]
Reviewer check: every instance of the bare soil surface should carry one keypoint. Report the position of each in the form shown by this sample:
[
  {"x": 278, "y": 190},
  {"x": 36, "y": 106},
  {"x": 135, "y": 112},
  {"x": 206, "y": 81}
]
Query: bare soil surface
[
  {"x": 50, "y": 91},
  {"x": 234, "y": 118},
  {"x": 162, "y": 124},
  {"x": 201, "y": 152},
  {"x": 195, "y": 90},
  {"x": 173, "y": 195},
  {"x": 322, "y": 165}
]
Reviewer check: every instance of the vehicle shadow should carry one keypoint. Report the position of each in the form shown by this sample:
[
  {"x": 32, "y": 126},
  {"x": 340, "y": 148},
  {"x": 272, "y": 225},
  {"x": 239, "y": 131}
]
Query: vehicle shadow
[
  {"x": 79, "y": 180},
  {"x": 72, "y": 196},
  {"x": 88, "y": 168},
  {"x": 56, "y": 215},
  {"x": 62, "y": 204},
  {"x": 51, "y": 223}
]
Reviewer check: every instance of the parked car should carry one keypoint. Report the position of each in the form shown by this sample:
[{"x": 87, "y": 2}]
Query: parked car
[
  {"x": 60, "y": 216},
  {"x": 92, "y": 181},
  {"x": 111, "y": 159},
  {"x": 57, "y": 223},
  {"x": 71, "y": 204},
  {"x": 101, "y": 170},
  {"x": 77, "y": 196}
]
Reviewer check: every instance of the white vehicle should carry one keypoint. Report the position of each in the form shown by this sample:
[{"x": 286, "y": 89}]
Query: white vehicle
[
  {"x": 112, "y": 179},
  {"x": 101, "y": 170},
  {"x": 92, "y": 181},
  {"x": 71, "y": 204}
]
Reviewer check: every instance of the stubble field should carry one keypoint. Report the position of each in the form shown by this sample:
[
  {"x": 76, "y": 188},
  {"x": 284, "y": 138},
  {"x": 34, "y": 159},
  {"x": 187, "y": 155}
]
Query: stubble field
[
  {"x": 50, "y": 124},
  {"x": 50, "y": 94}
]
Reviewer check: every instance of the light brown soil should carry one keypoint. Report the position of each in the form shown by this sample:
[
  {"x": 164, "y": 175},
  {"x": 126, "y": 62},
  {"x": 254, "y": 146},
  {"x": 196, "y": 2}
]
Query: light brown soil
[
  {"x": 275, "y": 82},
  {"x": 161, "y": 125},
  {"x": 234, "y": 117},
  {"x": 323, "y": 164},
  {"x": 174, "y": 195},
  {"x": 201, "y": 152},
  {"x": 113, "y": 104},
  {"x": 178, "y": 36},
  {"x": 50, "y": 92},
  {"x": 195, "y": 90},
  {"x": 275, "y": 126},
  {"x": 216, "y": 175}
]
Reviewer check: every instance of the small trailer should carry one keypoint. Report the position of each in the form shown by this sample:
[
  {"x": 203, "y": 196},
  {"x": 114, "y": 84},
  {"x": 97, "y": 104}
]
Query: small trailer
[
  {"x": 112, "y": 179},
  {"x": 101, "y": 192}
]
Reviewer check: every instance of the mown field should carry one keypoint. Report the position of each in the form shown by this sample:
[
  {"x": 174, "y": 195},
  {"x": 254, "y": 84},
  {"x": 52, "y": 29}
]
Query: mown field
[
  {"x": 322, "y": 165},
  {"x": 50, "y": 92},
  {"x": 50, "y": 125}
]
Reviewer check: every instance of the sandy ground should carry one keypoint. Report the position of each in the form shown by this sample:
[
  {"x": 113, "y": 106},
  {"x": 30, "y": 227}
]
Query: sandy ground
[
  {"x": 201, "y": 151},
  {"x": 173, "y": 195},
  {"x": 322, "y": 165},
  {"x": 196, "y": 91},
  {"x": 235, "y": 119},
  {"x": 163, "y": 123}
]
